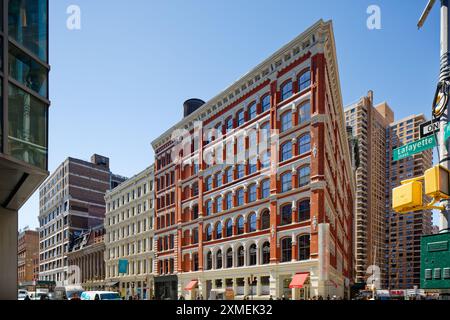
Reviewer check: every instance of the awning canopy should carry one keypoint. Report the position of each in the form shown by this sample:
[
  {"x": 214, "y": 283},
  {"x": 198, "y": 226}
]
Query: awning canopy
[
  {"x": 191, "y": 285},
  {"x": 299, "y": 280}
]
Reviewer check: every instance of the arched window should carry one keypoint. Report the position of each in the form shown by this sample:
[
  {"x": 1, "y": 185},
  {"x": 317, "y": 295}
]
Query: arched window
[
  {"x": 229, "y": 175},
  {"x": 229, "y": 200},
  {"x": 286, "y": 181},
  {"x": 194, "y": 212},
  {"x": 265, "y": 253},
  {"x": 195, "y": 236},
  {"x": 286, "y": 249},
  {"x": 286, "y": 90},
  {"x": 240, "y": 171},
  {"x": 218, "y": 178},
  {"x": 229, "y": 258},
  {"x": 304, "y": 81},
  {"x": 303, "y": 210},
  {"x": 219, "y": 259},
  {"x": 240, "y": 256},
  {"x": 252, "y": 113},
  {"x": 252, "y": 168},
  {"x": 208, "y": 183},
  {"x": 265, "y": 160},
  {"x": 240, "y": 225},
  {"x": 240, "y": 118},
  {"x": 252, "y": 255},
  {"x": 252, "y": 223},
  {"x": 252, "y": 193},
  {"x": 229, "y": 230},
  {"x": 265, "y": 220},
  {"x": 229, "y": 124},
  {"x": 303, "y": 176},
  {"x": 209, "y": 261},
  {"x": 304, "y": 113},
  {"x": 304, "y": 144},
  {"x": 286, "y": 151},
  {"x": 208, "y": 233},
  {"x": 286, "y": 214},
  {"x": 240, "y": 197},
  {"x": 265, "y": 103},
  {"x": 219, "y": 204},
  {"x": 286, "y": 121},
  {"x": 208, "y": 207},
  {"x": 303, "y": 247},
  {"x": 265, "y": 189},
  {"x": 219, "y": 231},
  {"x": 264, "y": 133}
]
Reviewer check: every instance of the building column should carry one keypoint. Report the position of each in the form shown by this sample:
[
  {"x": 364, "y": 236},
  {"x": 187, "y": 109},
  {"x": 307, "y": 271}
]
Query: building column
[
  {"x": 8, "y": 254},
  {"x": 258, "y": 286}
]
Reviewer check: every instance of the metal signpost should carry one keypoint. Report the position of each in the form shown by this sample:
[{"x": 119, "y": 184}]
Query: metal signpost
[{"x": 440, "y": 104}]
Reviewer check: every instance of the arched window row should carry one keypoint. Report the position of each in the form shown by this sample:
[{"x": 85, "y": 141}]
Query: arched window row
[
  {"x": 240, "y": 256},
  {"x": 236, "y": 226}
]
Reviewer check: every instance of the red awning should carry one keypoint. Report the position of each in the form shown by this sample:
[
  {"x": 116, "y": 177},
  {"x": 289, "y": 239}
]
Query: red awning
[
  {"x": 299, "y": 280},
  {"x": 191, "y": 285}
]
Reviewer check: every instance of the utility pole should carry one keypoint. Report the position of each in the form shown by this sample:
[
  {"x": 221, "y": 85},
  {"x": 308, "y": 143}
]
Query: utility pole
[{"x": 441, "y": 101}]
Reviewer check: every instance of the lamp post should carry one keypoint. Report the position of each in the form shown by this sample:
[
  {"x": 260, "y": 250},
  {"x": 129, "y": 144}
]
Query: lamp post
[{"x": 440, "y": 103}]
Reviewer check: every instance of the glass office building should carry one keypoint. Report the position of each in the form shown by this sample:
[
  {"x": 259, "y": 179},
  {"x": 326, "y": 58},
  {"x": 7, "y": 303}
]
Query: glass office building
[{"x": 24, "y": 103}]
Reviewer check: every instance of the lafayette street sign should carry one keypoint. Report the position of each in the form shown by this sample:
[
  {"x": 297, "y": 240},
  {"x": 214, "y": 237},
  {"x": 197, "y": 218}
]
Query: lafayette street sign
[{"x": 414, "y": 147}]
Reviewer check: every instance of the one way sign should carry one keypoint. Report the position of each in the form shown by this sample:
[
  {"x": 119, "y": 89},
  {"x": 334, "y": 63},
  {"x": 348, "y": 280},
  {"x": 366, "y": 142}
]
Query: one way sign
[{"x": 428, "y": 128}]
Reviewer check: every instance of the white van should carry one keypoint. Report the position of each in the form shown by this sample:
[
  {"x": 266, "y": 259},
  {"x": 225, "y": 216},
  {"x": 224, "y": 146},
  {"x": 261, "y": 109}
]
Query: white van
[
  {"x": 100, "y": 295},
  {"x": 68, "y": 292}
]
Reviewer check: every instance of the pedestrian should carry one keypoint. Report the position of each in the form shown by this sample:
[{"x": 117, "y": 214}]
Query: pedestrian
[
  {"x": 270, "y": 298},
  {"x": 181, "y": 297}
]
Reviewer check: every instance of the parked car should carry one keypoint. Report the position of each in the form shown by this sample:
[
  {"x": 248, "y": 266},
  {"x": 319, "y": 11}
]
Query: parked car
[{"x": 100, "y": 295}]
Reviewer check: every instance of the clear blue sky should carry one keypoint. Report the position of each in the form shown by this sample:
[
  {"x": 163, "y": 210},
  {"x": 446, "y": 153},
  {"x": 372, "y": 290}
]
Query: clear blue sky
[{"x": 120, "y": 81}]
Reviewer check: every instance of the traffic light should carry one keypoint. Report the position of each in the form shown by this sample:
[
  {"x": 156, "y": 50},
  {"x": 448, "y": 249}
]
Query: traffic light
[
  {"x": 407, "y": 197},
  {"x": 437, "y": 182}
]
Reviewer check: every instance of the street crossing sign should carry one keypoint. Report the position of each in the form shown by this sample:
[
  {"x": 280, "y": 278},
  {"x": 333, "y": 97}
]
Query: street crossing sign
[
  {"x": 428, "y": 128},
  {"x": 414, "y": 147}
]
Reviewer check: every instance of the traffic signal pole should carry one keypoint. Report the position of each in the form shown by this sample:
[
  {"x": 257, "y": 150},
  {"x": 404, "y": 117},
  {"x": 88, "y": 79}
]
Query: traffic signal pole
[{"x": 444, "y": 78}]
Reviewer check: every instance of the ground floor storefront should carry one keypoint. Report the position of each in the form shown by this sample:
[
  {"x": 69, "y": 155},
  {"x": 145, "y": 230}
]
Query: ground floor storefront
[
  {"x": 135, "y": 287},
  {"x": 295, "y": 280}
]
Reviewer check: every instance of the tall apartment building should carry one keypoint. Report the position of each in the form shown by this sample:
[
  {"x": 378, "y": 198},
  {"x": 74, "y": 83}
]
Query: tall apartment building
[
  {"x": 129, "y": 236},
  {"x": 71, "y": 201},
  {"x": 405, "y": 230},
  {"x": 24, "y": 109},
  {"x": 265, "y": 216},
  {"x": 369, "y": 124},
  {"x": 28, "y": 256}
]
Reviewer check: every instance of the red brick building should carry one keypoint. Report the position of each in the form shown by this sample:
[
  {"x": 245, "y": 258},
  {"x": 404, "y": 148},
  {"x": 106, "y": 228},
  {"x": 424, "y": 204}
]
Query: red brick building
[
  {"x": 28, "y": 256},
  {"x": 267, "y": 192}
]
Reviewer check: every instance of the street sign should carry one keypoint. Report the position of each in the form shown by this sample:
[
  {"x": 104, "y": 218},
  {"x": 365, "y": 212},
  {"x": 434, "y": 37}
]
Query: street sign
[
  {"x": 414, "y": 147},
  {"x": 447, "y": 132},
  {"x": 428, "y": 128}
]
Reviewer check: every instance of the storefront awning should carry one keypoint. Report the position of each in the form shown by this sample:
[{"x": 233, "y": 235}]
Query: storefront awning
[
  {"x": 299, "y": 280},
  {"x": 111, "y": 284},
  {"x": 191, "y": 285}
]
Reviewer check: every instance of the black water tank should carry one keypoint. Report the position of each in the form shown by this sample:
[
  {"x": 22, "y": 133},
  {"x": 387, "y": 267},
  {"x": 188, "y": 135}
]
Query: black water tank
[{"x": 191, "y": 105}]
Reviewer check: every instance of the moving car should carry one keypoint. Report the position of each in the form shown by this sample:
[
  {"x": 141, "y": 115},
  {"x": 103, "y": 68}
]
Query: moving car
[{"x": 100, "y": 295}]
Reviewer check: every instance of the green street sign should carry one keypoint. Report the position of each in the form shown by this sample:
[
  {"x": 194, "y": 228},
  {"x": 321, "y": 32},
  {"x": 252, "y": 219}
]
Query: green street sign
[
  {"x": 447, "y": 132},
  {"x": 414, "y": 147}
]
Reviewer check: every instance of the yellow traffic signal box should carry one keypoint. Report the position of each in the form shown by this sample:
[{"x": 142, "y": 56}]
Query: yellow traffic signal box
[
  {"x": 437, "y": 182},
  {"x": 407, "y": 197}
]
